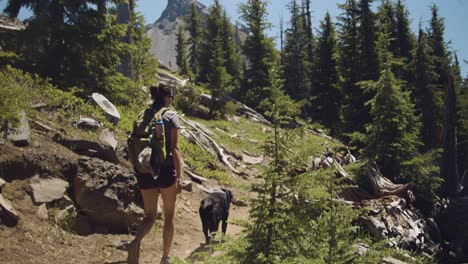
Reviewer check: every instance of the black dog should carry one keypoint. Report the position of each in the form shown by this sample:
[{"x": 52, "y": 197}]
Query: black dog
[{"x": 214, "y": 208}]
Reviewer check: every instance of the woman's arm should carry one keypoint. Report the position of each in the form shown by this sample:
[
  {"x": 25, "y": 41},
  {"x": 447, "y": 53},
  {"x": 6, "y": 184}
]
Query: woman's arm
[{"x": 176, "y": 155}]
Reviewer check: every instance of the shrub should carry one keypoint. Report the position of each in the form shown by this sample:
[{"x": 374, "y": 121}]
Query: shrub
[{"x": 15, "y": 93}]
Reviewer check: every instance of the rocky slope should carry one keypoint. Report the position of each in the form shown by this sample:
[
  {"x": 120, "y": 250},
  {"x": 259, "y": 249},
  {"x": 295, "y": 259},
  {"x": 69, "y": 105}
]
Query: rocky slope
[{"x": 163, "y": 32}]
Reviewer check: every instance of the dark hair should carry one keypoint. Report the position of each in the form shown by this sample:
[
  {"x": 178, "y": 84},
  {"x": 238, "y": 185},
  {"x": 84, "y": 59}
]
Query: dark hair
[{"x": 158, "y": 92}]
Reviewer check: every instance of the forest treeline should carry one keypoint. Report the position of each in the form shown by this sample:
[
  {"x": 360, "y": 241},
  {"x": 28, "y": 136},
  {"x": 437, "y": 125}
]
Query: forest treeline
[{"x": 396, "y": 96}]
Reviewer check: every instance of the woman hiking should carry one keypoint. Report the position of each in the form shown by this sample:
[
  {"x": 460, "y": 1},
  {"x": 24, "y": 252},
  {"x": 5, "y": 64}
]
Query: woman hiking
[{"x": 169, "y": 177}]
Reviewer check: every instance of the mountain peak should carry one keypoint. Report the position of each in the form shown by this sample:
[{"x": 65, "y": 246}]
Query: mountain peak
[{"x": 179, "y": 8}]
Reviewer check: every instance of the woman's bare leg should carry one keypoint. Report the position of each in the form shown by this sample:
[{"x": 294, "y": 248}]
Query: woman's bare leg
[
  {"x": 150, "y": 204},
  {"x": 169, "y": 197}
]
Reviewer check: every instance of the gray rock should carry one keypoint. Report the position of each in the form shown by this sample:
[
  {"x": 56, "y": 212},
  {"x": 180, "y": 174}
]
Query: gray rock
[
  {"x": 2, "y": 183},
  {"x": 240, "y": 203},
  {"x": 390, "y": 260},
  {"x": 187, "y": 186},
  {"x": 42, "y": 212},
  {"x": 107, "y": 138},
  {"x": 64, "y": 215},
  {"x": 90, "y": 149},
  {"x": 109, "y": 109},
  {"x": 107, "y": 194},
  {"x": 87, "y": 123},
  {"x": 8, "y": 215},
  {"x": 247, "y": 159},
  {"x": 20, "y": 135},
  {"x": 48, "y": 190}
]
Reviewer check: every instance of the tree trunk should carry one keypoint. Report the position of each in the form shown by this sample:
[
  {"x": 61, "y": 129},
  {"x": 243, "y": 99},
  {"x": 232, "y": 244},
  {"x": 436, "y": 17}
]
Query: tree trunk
[{"x": 448, "y": 166}]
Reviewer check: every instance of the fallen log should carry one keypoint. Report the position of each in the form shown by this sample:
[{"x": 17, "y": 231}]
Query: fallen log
[
  {"x": 220, "y": 151},
  {"x": 381, "y": 186}
]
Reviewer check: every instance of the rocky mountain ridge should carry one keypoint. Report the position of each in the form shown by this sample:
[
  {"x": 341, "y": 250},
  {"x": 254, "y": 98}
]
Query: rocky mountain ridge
[{"x": 163, "y": 31}]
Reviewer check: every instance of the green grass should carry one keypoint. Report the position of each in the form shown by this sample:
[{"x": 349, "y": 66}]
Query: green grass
[{"x": 244, "y": 130}]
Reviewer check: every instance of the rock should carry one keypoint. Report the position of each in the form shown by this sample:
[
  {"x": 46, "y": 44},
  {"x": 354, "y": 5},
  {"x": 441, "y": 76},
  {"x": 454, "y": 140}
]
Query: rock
[
  {"x": 109, "y": 109},
  {"x": 42, "y": 212},
  {"x": 8, "y": 215},
  {"x": 106, "y": 194},
  {"x": 187, "y": 186},
  {"x": 107, "y": 138},
  {"x": 2, "y": 183},
  {"x": 240, "y": 203},
  {"x": 48, "y": 190},
  {"x": 87, "y": 123},
  {"x": 390, "y": 260},
  {"x": 453, "y": 224},
  {"x": 20, "y": 135},
  {"x": 90, "y": 149},
  {"x": 247, "y": 159}
]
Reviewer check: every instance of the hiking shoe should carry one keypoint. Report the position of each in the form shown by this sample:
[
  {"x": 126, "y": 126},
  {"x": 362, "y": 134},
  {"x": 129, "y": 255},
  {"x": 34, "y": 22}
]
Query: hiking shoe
[
  {"x": 133, "y": 250},
  {"x": 165, "y": 260}
]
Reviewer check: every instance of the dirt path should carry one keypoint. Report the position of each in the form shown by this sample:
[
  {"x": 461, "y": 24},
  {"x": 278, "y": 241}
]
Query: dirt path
[{"x": 42, "y": 241}]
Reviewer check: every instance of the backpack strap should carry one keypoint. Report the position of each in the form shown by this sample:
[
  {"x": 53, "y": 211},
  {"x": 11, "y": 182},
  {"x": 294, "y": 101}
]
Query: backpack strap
[{"x": 160, "y": 113}]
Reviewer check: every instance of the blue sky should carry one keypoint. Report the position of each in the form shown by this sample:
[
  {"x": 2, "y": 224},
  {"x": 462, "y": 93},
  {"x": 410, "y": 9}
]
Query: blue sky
[{"x": 455, "y": 13}]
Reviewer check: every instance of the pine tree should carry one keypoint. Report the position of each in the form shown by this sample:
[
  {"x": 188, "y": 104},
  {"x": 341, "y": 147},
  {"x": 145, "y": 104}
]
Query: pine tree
[
  {"x": 295, "y": 56},
  {"x": 181, "y": 51},
  {"x": 367, "y": 36},
  {"x": 442, "y": 69},
  {"x": 259, "y": 51},
  {"x": 392, "y": 136},
  {"x": 387, "y": 16},
  {"x": 349, "y": 67},
  {"x": 404, "y": 35},
  {"x": 231, "y": 55},
  {"x": 219, "y": 80},
  {"x": 270, "y": 220},
  {"x": 211, "y": 33},
  {"x": 462, "y": 131},
  {"x": 194, "y": 41},
  {"x": 426, "y": 96},
  {"x": 328, "y": 94}
]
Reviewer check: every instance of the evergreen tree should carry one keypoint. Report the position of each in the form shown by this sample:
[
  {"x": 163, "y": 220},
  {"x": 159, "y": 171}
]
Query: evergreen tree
[
  {"x": 295, "y": 56},
  {"x": 212, "y": 32},
  {"x": 349, "y": 67},
  {"x": 448, "y": 167},
  {"x": 426, "y": 96},
  {"x": 367, "y": 36},
  {"x": 405, "y": 37},
  {"x": 442, "y": 69},
  {"x": 259, "y": 51},
  {"x": 328, "y": 94},
  {"x": 462, "y": 131},
  {"x": 219, "y": 80},
  {"x": 270, "y": 220},
  {"x": 392, "y": 137},
  {"x": 181, "y": 51},
  {"x": 231, "y": 54},
  {"x": 387, "y": 16},
  {"x": 194, "y": 41}
]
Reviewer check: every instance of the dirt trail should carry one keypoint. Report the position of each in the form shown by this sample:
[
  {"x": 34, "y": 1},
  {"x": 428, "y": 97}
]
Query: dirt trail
[{"x": 42, "y": 241}]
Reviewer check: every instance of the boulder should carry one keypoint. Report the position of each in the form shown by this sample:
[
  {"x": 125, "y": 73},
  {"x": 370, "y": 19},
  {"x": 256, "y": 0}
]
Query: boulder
[
  {"x": 90, "y": 149},
  {"x": 453, "y": 224},
  {"x": 2, "y": 183},
  {"x": 42, "y": 212},
  {"x": 8, "y": 215},
  {"x": 106, "y": 194},
  {"x": 47, "y": 190},
  {"x": 20, "y": 134},
  {"x": 87, "y": 123},
  {"x": 390, "y": 260},
  {"x": 109, "y": 109},
  {"x": 187, "y": 186},
  {"x": 107, "y": 139},
  {"x": 251, "y": 160}
]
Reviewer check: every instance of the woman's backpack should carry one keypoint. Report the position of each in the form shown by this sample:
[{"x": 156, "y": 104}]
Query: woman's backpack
[{"x": 147, "y": 143}]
